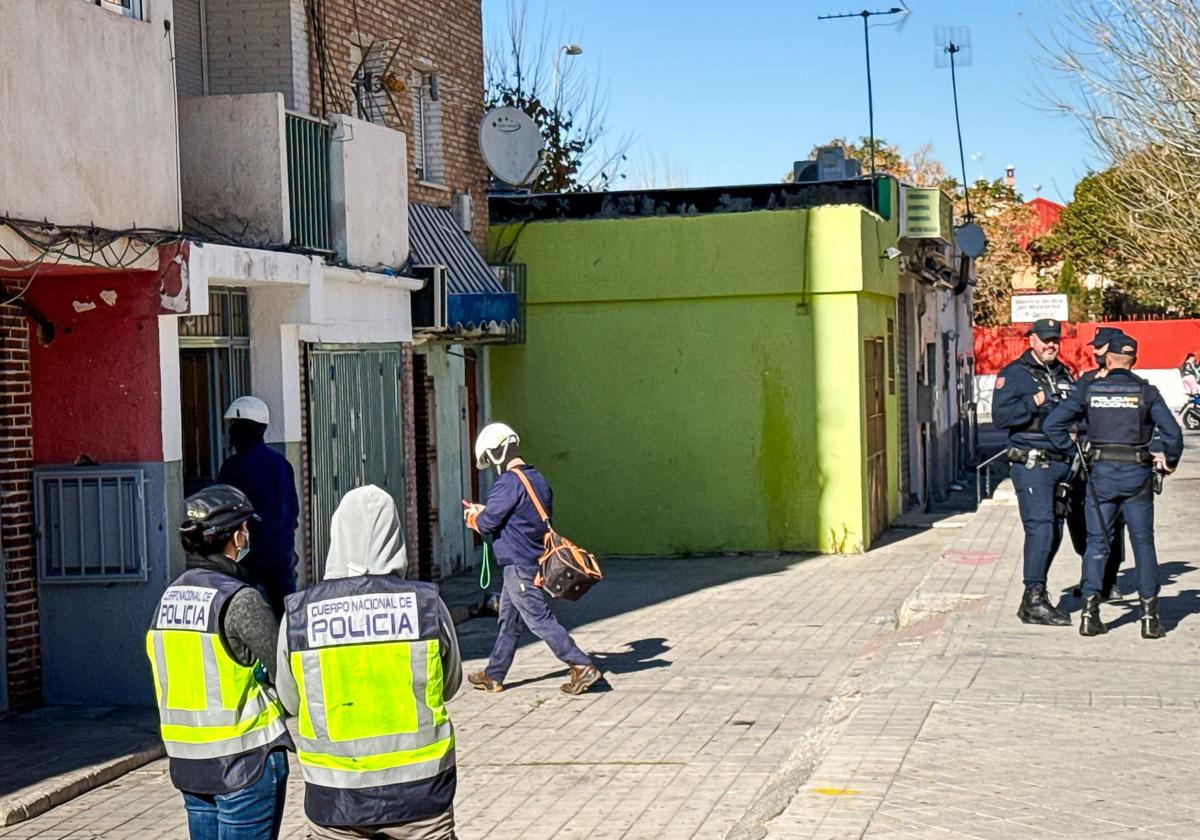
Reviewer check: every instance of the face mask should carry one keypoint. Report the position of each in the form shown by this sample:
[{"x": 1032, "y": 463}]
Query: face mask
[
  {"x": 243, "y": 551},
  {"x": 1100, "y": 358}
]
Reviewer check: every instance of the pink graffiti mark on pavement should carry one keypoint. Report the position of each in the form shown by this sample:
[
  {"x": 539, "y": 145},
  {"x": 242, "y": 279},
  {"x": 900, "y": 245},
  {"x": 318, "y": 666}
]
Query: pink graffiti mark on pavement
[{"x": 970, "y": 558}]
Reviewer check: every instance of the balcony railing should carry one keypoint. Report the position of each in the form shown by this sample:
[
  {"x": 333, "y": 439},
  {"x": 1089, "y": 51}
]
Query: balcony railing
[
  {"x": 308, "y": 182},
  {"x": 512, "y": 277}
]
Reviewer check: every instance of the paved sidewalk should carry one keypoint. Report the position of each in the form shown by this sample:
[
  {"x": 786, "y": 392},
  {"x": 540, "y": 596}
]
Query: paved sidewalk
[
  {"x": 719, "y": 670},
  {"x": 977, "y": 726},
  {"x": 52, "y": 754},
  {"x": 892, "y": 695}
]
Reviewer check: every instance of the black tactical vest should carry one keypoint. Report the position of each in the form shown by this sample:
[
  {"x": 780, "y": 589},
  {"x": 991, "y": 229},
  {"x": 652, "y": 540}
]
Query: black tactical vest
[
  {"x": 1054, "y": 381},
  {"x": 1118, "y": 411}
]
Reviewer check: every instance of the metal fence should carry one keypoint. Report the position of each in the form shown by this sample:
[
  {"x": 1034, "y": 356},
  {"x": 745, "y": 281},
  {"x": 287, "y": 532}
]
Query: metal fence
[{"x": 308, "y": 182}]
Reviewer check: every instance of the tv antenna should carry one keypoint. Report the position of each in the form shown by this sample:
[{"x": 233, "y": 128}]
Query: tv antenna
[
  {"x": 954, "y": 50},
  {"x": 373, "y": 78},
  {"x": 866, "y": 16}
]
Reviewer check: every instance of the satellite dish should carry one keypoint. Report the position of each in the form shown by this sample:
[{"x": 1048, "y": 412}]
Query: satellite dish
[
  {"x": 512, "y": 146},
  {"x": 970, "y": 240}
]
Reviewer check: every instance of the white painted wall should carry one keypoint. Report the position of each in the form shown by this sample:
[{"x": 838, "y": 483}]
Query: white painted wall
[
  {"x": 1166, "y": 380},
  {"x": 296, "y": 298},
  {"x": 233, "y": 158},
  {"x": 447, "y": 367},
  {"x": 87, "y": 115},
  {"x": 368, "y": 183}
]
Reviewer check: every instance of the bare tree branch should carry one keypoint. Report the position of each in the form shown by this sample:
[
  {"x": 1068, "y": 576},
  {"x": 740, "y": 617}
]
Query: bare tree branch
[{"x": 581, "y": 153}]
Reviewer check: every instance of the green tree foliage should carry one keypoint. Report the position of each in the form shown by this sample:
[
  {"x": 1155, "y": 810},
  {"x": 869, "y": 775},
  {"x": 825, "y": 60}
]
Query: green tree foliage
[{"x": 1006, "y": 221}]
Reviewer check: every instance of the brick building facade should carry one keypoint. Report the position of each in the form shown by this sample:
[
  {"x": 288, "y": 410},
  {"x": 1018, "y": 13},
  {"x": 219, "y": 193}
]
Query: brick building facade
[
  {"x": 436, "y": 37},
  {"x": 18, "y": 574}
]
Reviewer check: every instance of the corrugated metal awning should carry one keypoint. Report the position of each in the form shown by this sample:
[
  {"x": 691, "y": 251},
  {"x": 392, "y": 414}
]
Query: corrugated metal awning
[{"x": 476, "y": 300}]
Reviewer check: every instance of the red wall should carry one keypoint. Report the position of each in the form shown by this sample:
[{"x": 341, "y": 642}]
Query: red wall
[
  {"x": 1161, "y": 344},
  {"x": 96, "y": 385}
]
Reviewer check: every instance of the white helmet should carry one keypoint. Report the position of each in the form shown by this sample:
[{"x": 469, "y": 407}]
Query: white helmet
[
  {"x": 494, "y": 436},
  {"x": 249, "y": 408}
]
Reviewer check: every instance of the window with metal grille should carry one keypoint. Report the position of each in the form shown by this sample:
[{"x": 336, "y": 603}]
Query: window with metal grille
[
  {"x": 91, "y": 524},
  {"x": 428, "y": 156},
  {"x": 214, "y": 370}
]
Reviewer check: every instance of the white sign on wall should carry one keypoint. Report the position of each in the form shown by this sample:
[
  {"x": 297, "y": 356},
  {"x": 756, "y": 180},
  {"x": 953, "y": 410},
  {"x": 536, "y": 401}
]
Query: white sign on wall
[{"x": 1029, "y": 308}]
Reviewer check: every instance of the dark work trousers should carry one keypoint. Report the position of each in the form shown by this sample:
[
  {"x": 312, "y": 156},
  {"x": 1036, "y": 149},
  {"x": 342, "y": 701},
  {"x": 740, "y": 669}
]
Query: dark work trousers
[
  {"x": 1043, "y": 528},
  {"x": 1121, "y": 490},
  {"x": 524, "y": 605},
  {"x": 1077, "y": 527}
]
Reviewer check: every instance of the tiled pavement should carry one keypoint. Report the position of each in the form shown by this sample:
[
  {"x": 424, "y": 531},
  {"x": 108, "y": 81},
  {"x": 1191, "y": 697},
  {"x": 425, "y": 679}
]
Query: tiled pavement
[
  {"x": 717, "y": 667},
  {"x": 892, "y": 695},
  {"x": 977, "y": 726}
]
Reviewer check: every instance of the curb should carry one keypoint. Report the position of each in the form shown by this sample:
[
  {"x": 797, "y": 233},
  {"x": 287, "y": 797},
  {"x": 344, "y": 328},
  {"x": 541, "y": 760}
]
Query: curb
[{"x": 33, "y": 801}]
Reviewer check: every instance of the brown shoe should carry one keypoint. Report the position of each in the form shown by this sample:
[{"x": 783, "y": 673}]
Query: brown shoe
[
  {"x": 483, "y": 682},
  {"x": 583, "y": 677}
]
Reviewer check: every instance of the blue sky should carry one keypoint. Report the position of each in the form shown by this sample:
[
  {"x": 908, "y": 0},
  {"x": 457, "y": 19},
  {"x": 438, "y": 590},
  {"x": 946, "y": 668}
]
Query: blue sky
[{"x": 732, "y": 93}]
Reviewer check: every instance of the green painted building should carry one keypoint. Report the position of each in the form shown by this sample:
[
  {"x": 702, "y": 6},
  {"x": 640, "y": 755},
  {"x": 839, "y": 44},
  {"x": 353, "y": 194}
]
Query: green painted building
[{"x": 707, "y": 382}]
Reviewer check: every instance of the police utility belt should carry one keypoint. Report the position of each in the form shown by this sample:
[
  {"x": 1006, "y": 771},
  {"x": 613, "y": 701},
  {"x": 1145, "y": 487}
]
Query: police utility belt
[
  {"x": 1119, "y": 453},
  {"x": 1032, "y": 457}
]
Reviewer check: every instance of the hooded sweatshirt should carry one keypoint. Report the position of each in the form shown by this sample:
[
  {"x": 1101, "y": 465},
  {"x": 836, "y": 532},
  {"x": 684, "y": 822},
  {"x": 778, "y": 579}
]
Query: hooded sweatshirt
[{"x": 366, "y": 539}]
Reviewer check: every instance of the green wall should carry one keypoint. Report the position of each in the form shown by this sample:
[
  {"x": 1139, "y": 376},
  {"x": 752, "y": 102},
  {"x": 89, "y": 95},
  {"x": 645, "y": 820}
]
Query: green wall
[{"x": 693, "y": 384}]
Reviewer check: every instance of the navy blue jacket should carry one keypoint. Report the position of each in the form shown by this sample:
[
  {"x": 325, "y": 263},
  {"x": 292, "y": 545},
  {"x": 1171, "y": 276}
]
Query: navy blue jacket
[
  {"x": 1058, "y": 425},
  {"x": 269, "y": 482},
  {"x": 509, "y": 515},
  {"x": 1013, "y": 406}
]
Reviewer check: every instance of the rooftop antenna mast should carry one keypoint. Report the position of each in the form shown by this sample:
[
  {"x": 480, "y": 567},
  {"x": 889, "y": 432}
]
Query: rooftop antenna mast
[
  {"x": 866, "y": 16},
  {"x": 954, "y": 51}
]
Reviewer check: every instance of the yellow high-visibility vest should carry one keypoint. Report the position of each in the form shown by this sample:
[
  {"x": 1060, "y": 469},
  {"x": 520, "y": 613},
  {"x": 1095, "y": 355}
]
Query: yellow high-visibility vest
[
  {"x": 218, "y": 721},
  {"x": 365, "y": 655}
]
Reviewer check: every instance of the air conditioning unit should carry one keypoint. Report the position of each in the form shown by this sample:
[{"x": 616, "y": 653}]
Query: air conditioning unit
[
  {"x": 462, "y": 208},
  {"x": 430, "y": 305},
  {"x": 831, "y": 164}
]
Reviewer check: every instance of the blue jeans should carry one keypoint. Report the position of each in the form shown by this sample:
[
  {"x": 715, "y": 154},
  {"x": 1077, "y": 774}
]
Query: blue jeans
[
  {"x": 524, "y": 605},
  {"x": 252, "y": 813},
  {"x": 1043, "y": 527},
  {"x": 1121, "y": 490}
]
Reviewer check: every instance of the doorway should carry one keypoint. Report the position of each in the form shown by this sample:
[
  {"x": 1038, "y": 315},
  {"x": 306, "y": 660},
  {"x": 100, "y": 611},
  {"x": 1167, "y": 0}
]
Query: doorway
[
  {"x": 355, "y": 430},
  {"x": 876, "y": 415},
  {"x": 214, "y": 370}
]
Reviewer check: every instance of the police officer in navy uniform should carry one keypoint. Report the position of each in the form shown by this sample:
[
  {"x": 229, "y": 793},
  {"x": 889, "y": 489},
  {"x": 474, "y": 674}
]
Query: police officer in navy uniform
[
  {"x": 1026, "y": 391},
  {"x": 1123, "y": 412},
  {"x": 1076, "y": 516}
]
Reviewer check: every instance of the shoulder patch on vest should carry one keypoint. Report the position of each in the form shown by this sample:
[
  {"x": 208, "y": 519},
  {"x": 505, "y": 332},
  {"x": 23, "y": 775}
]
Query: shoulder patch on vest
[{"x": 999, "y": 382}]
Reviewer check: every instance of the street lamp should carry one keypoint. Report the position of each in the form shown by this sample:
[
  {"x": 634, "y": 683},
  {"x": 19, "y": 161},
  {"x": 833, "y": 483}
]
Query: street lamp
[{"x": 569, "y": 49}]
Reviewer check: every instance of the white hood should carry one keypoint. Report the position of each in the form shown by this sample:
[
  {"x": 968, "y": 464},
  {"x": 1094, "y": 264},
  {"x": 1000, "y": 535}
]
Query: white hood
[{"x": 366, "y": 537}]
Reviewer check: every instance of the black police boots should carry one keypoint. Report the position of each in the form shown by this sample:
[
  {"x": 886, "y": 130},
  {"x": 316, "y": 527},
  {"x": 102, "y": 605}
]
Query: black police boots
[
  {"x": 1089, "y": 621},
  {"x": 1037, "y": 609},
  {"x": 1151, "y": 627}
]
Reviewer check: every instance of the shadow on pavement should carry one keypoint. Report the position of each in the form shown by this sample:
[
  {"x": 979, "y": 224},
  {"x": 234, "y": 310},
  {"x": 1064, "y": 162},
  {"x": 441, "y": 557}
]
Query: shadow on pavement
[
  {"x": 53, "y": 740},
  {"x": 1173, "y": 610},
  {"x": 629, "y": 584}
]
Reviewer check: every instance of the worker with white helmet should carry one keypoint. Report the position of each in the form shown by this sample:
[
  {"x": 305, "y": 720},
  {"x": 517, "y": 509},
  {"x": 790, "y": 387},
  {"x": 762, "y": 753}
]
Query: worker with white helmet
[
  {"x": 518, "y": 531},
  {"x": 267, "y": 478}
]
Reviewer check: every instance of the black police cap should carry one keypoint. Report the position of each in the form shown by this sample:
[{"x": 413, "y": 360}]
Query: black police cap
[
  {"x": 1123, "y": 344},
  {"x": 1045, "y": 328},
  {"x": 1104, "y": 335}
]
